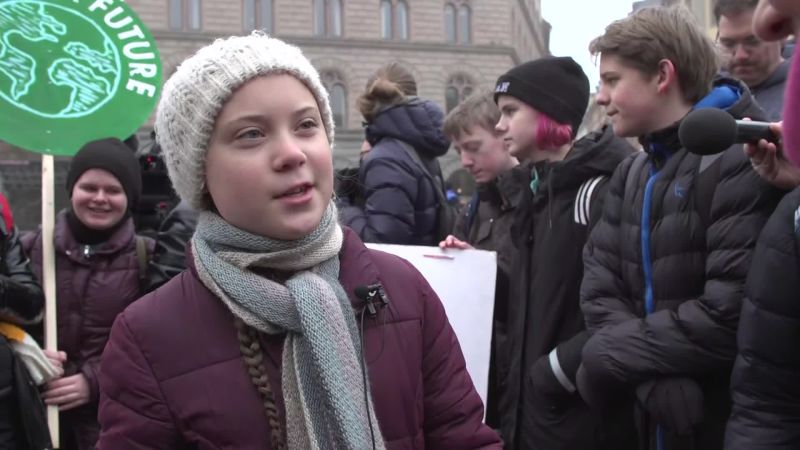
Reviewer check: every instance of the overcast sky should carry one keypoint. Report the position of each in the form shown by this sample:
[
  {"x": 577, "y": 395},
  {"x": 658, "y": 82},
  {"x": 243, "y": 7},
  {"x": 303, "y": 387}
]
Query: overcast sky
[{"x": 576, "y": 22}]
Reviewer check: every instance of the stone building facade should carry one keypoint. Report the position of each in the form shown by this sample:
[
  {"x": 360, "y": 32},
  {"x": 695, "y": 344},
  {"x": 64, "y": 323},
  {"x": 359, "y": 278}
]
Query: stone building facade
[{"x": 451, "y": 46}]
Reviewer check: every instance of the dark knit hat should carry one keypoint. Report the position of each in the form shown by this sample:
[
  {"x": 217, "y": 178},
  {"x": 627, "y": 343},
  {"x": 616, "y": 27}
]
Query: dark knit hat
[
  {"x": 114, "y": 156},
  {"x": 554, "y": 86}
]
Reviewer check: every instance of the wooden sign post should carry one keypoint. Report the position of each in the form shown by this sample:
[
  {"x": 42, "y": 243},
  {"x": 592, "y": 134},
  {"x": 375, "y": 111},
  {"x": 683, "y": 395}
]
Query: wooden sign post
[{"x": 49, "y": 275}]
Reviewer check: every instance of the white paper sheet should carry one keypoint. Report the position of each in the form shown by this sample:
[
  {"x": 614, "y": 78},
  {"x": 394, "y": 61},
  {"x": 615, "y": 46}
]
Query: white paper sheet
[{"x": 465, "y": 282}]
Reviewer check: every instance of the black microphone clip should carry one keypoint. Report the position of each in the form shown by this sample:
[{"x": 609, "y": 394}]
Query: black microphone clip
[{"x": 372, "y": 295}]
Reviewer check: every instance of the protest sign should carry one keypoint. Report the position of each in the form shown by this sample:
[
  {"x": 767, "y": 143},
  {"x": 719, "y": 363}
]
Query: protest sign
[
  {"x": 73, "y": 71},
  {"x": 464, "y": 280}
]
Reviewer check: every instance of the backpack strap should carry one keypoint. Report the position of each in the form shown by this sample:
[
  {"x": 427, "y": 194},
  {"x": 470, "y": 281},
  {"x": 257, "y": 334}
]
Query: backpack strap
[
  {"x": 435, "y": 178},
  {"x": 445, "y": 213},
  {"x": 707, "y": 180},
  {"x": 582, "y": 208}
]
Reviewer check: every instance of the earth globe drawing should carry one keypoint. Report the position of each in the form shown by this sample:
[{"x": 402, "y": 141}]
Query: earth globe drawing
[{"x": 54, "y": 62}]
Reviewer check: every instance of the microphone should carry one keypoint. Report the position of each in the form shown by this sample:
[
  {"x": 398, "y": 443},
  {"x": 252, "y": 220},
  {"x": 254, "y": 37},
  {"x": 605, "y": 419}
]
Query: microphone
[
  {"x": 708, "y": 131},
  {"x": 370, "y": 295}
]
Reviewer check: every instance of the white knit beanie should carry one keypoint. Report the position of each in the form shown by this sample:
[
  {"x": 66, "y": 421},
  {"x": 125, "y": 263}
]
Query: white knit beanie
[{"x": 195, "y": 93}]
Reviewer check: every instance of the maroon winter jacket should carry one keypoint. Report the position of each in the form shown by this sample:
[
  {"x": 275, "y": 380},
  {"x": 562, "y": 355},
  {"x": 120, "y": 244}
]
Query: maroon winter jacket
[
  {"x": 173, "y": 377},
  {"x": 91, "y": 289}
]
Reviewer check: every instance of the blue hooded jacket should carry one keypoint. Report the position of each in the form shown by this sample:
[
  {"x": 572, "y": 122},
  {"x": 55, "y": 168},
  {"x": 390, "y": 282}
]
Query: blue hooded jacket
[{"x": 400, "y": 205}]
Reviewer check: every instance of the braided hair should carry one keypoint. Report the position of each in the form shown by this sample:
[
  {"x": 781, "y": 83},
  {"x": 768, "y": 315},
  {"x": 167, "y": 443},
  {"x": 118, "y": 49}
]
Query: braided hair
[{"x": 253, "y": 356}]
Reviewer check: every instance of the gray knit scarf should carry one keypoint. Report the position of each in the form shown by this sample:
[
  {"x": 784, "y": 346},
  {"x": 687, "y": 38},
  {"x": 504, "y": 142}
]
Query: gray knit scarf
[{"x": 323, "y": 388}]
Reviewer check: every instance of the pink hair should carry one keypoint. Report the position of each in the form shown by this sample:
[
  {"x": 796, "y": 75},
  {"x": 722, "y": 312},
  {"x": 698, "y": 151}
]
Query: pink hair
[{"x": 551, "y": 135}]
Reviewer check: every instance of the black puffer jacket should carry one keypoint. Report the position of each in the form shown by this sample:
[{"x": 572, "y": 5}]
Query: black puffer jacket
[
  {"x": 169, "y": 256},
  {"x": 662, "y": 289},
  {"x": 549, "y": 231},
  {"x": 766, "y": 376},
  {"x": 400, "y": 202},
  {"x": 22, "y": 418}
]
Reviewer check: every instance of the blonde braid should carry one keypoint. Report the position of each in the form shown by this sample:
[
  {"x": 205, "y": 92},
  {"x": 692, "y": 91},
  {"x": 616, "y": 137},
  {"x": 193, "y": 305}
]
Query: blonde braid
[{"x": 253, "y": 356}]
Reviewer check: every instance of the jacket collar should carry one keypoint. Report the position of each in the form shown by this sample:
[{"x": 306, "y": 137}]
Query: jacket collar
[{"x": 68, "y": 245}]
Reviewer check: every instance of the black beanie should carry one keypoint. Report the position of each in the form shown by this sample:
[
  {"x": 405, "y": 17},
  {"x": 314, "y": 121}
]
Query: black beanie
[
  {"x": 554, "y": 85},
  {"x": 114, "y": 156}
]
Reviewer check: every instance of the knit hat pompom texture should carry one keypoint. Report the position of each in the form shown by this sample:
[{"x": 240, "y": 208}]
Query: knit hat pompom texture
[
  {"x": 554, "y": 85},
  {"x": 194, "y": 95}
]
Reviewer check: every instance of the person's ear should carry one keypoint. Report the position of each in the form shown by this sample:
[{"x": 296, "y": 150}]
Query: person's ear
[{"x": 665, "y": 76}]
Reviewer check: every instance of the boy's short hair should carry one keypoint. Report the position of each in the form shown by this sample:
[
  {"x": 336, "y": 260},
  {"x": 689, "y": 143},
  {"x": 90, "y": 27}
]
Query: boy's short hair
[
  {"x": 478, "y": 109},
  {"x": 650, "y": 35},
  {"x": 732, "y": 7}
]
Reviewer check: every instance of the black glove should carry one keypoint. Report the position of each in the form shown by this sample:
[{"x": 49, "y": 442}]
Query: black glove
[
  {"x": 592, "y": 394},
  {"x": 674, "y": 403},
  {"x": 543, "y": 378}
]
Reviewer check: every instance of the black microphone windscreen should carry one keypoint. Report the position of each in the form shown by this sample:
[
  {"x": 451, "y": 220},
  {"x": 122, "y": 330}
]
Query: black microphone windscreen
[
  {"x": 362, "y": 292},
  {"x": 707, "y": 131}
]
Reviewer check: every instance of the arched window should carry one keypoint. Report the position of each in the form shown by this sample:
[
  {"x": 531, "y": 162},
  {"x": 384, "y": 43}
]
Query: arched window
[
  {"x": 450, "y": 98},
  {"x": 265, "y": 15},
  {"x": 336, "y": 17},
  {"x": 464, "y": 24},
  {"x": 249, "y": 15},
  {"x": 334, "y": 83},
  {"x": 184, "y": 15},
  {"x": 339, "y": 105},
  {"x": 319, "y": 17},
  {"x": 450, "y": 22},
  {"x": 328, "y": 18},
  {"x": 387, "y": 19},
  {"x": 459, "y": 87},
  {"x": 176, "y": 14},
  {"x": 402, "y": 20},
  {"x": 194, "y": 15},
  {"x": 257, "y": 15}
]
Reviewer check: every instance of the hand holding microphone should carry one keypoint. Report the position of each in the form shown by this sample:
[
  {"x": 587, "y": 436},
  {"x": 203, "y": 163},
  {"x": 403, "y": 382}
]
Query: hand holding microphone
[
  {"x": 769, "y": 163},
  {"x": 708, "y": 131}
]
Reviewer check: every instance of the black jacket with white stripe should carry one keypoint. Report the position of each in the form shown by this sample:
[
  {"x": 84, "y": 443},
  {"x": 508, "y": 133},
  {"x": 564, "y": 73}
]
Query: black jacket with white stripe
[{"x": 549, "y": 230}]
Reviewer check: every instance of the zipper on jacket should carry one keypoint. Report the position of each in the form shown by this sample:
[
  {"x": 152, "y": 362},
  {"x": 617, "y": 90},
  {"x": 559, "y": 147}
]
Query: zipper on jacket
[{"x": 647, "y": 264}]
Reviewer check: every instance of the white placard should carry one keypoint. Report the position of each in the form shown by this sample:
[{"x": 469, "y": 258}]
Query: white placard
[{"x": 465, "y": 281}]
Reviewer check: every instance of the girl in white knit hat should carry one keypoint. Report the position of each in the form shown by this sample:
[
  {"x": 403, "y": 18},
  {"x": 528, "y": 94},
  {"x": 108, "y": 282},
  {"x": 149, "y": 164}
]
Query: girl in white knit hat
[{"x": 285, "y": 331}]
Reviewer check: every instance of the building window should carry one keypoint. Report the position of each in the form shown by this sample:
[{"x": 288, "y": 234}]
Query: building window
[
  {"x": 328, "y": 18},
  {"x": 176, "y": 14},
  {"x": 319, "y": 17},
  {"x": 402, "y": 20},
  {"x": 457, "y": 23},
  {"x": 257, "y": 15},
  {"x": 394, "y": 20},
  {"x": 337, "y": 93},
  {"x": 459, "y": 87},
  {"x": 464, "y": 22},
  {"x": 184, "y": 15},
  {"x": 386, "y": 19},
  {"x": 450, "y": 22},
  {"x": 336, "y": 17}
]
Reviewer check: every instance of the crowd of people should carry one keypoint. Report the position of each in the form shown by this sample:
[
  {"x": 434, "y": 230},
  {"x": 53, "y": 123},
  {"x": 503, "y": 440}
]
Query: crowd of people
[{"x": 645, "y": 297}]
